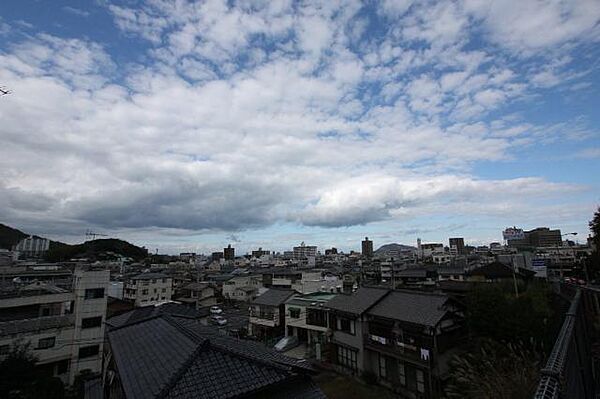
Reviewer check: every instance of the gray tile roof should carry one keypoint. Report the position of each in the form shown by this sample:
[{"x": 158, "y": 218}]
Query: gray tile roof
[
  {"x": 273, "y": 297},
  {"x": 413, "y": 307},
  {"x": 173, "y": 357},
  {"x": 147, "y": 312},
  {"x": 358, "y": 302}
]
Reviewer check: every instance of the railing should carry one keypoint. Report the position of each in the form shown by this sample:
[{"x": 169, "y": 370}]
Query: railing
[
  {"x": 568, "y": 372},
  {"x": 263, "y": 315},
  {"x": 390, "y": 344}
]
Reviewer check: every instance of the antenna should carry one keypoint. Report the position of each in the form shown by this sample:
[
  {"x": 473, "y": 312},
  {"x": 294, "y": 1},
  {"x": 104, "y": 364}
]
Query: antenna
[
  {"x": 90, "y": 235},
  {"x": 4, "y": 91}
]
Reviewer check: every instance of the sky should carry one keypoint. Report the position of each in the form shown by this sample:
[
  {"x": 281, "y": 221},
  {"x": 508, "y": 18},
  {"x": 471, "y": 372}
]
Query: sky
[{"x": 185, "y": 126}]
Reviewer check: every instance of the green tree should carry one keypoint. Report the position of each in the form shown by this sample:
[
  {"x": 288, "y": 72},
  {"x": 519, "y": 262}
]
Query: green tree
[{"x": 20, "y": 379}]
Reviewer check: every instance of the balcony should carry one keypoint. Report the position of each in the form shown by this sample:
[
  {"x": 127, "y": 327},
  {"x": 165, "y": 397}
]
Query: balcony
[
  {"x": 263, "y": 318},
  {"x": 395, "y": 346}
]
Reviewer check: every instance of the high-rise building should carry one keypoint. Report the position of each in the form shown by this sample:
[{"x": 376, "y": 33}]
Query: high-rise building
[
  {"x": 367, "y": 247},
  {"x": 229, "y": 253},
  {"x": 457, "y": 245},
  {"x": 539, "y": 237},
  {"x": 305, "y": 251}
]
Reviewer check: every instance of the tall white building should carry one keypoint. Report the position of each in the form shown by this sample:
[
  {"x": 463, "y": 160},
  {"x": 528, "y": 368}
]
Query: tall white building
[{"x": 63, "y": 326}]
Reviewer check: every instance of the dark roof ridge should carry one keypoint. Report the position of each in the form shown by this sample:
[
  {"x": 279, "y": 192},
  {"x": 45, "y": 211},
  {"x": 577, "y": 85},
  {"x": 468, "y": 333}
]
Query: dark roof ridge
[
  {"x": 185, "y": 331},
  {"x": 176, "y": 376},
  {"x": 425, "y": 293},
  {"x": 266, "y": 362},
  {"x": 133, "y": 323}
]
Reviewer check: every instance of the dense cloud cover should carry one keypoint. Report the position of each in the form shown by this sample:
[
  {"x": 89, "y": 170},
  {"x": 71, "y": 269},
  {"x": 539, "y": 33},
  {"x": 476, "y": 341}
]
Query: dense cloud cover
[{"x": 240, "y": 115}]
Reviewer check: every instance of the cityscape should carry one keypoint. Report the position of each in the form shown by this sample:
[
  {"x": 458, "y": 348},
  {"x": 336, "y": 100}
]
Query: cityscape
[{"x": 300, "y": 199}]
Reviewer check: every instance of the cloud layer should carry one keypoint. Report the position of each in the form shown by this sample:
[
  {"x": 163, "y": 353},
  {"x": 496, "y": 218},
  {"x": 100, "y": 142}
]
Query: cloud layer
[{"x": 239, "y": 116}]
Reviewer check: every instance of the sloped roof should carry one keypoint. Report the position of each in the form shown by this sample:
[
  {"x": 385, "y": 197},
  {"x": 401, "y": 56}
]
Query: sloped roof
[
  {"x": 359, "y": 301},
  {"x": 413, "y": 307},
  {"x": 150, "y": 276},
  {"x": 273, "y": 297},
  {"x": 172, "y": 357},
  {"x": 148, "y": 312}
]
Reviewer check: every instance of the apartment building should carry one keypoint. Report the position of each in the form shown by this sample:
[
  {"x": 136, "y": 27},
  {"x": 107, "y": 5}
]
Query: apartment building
[
  {"x": 63, "y": 326},
  {"x": 148, "y": 289}
]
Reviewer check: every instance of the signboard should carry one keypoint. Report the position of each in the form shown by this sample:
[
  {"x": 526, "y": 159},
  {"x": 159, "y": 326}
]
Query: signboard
[{"x": 512, "y": 233}]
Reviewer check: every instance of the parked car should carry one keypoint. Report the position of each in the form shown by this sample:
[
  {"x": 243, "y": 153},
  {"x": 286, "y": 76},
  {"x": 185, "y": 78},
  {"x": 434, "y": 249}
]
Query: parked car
[
  {"x": 218, "y": 320},
  {"x": 286, "y": 343},
  {"x": 215, "y": 310}
]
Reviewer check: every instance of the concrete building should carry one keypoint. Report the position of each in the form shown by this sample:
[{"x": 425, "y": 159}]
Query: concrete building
[
  {"x": 457, "y": 245},
  {"x": 305, "y": 251},
  {"x": 306, "y": 319},
  {"x": 148, "y": 289},
  {"x": 242, "y": 288},
  {"x": 63, "y": 326},
  {"x": 539, "y": 237},
  {"x": 229, "y": 253},
  {"x": 367, "y": 248}
]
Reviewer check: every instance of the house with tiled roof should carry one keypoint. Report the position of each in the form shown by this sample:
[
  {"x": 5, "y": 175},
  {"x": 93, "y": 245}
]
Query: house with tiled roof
[
  {"x": 267, "y": 313},
  {"x": 168, "y": 356},
  {"x": 409, "y": 339}
]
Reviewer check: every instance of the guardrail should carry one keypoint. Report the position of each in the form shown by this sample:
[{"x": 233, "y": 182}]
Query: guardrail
[{"x": 568, "y": 371}]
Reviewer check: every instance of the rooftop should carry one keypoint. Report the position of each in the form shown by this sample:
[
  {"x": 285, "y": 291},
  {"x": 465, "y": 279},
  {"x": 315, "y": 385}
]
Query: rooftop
[
  {"x": 359, "y": 301},
  {"x": 413, "y": 307},
  {"x": 173, "y": 357},
  {"x": 273, "y": 297}
]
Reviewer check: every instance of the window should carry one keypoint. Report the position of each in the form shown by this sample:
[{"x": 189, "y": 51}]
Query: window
[
  {"x": 4, "y": 350},
  {"x": 93, "y": 293},
  {"x": 144, "y": 292},
  {"x": 401, "y": 373},
  {"x": 347, "y": 358},
  {"x": 164, "y": 280},
  {"x": 164, "y": 290},
  {"x": 88, "y": 351},
  {"x": 294, "y": 313},
  {"x": 420, "y": 381},
  {"x": 91, "y": 322},
  {"x": 45, "y": 343},
  {"x": 345, "y": 325},
  {"x": 382, "y": 368},
  {"x": 155, "y": 290},
  {"x": 153, "y": 281}
]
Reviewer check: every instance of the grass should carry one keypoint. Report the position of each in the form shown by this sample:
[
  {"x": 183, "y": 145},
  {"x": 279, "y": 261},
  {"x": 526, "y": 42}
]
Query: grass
[{"x": 337, "y": 386}]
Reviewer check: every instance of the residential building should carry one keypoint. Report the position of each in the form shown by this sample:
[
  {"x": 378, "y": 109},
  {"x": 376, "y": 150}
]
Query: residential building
[
  {"x": 409, "y": 341},
  {"x": 168, "y": 356},
  {"x": 367, "y": 248},
  {"x": 457, "y": 245},
  {"x": 64, "y": 326},
  {"x": 306, "y": 318},
  {"x": 197, "y": 294},
  {"x": 260, "y": 252},
  {"x": 148, "y": 289},
  {"x": 267, "y": 314},
  {"x": 242, "y": 288},
  {"x": 305, "y": 251},
  {"x": 347, "y": 321},
  {"x": 229, "y": 253}
]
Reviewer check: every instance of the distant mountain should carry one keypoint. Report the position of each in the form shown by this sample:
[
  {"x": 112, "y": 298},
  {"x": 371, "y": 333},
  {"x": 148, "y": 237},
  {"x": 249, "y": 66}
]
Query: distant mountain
[
  {"x": 10, "y": 236},
  {"x": 392, "y": 249},
  {"x": 93, "y": 250},
  {"x": 96, "y": 250}
]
